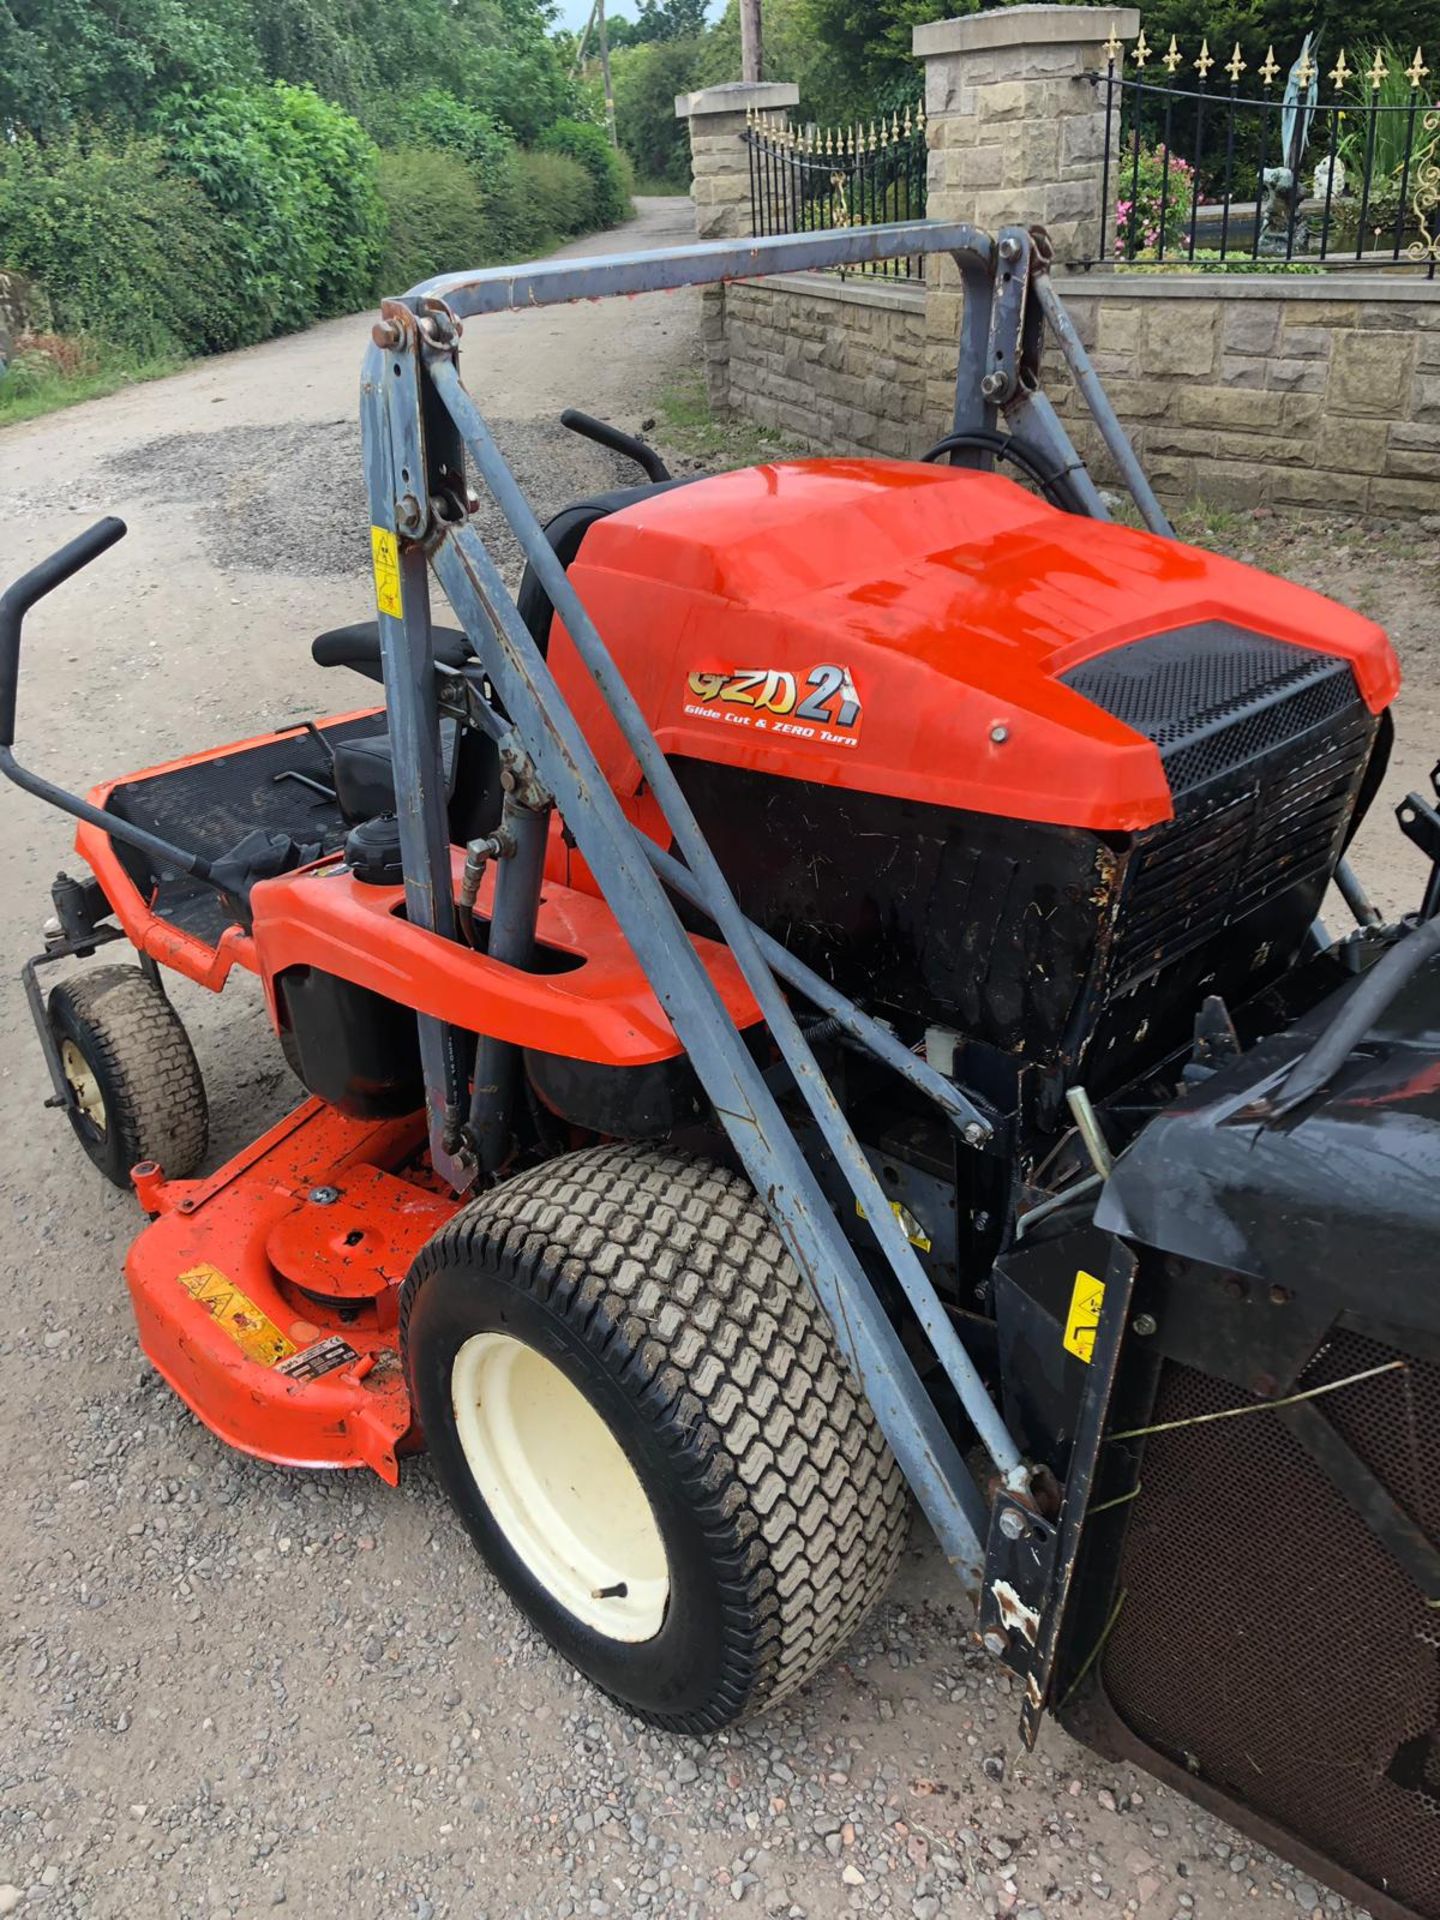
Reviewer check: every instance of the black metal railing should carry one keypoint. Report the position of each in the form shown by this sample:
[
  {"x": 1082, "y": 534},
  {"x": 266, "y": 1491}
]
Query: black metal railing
[
  {"x": 1340, "y": 169},
  {"x": 805, "y": 178}
]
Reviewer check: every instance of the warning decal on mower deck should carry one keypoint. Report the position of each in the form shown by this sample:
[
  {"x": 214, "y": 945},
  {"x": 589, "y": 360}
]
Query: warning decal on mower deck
[
  {"x": 823, "y": 708},
  {"x": 386, "y": 552},
  {"x": 256, "y": 1335},
  {"x": 1083, "y": 1318}
]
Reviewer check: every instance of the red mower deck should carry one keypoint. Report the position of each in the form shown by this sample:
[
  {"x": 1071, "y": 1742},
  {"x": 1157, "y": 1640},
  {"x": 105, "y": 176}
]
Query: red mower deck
[{"x": 288, "y": 1349}]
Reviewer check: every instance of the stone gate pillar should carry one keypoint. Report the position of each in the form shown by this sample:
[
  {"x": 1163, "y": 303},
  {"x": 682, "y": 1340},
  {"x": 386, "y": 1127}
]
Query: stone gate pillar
[
  {"x": 1017, "y": 137},
  {"x": 720, "y": 188}
]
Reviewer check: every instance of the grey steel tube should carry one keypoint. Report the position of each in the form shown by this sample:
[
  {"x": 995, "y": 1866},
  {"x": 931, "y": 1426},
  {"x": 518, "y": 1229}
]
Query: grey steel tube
[
  {"x": 720, "y": 903},
  {"x": 551, "y": 282},
  {"x": 1098, "y": 401}
]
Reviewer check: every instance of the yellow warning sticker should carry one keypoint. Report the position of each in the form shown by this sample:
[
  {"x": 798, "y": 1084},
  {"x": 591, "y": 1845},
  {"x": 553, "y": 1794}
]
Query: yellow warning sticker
[
  {"x": 256, "y": 1335},
  {"x": 914, "y": 1232},
  {"x": 386, "y": 553},
  {"x": 1085, "y": 1302}
]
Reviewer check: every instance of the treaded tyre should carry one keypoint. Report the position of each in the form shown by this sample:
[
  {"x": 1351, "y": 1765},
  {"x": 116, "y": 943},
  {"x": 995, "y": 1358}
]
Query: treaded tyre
[
  {"x": 639, "y": 1411},
  {"x": 137, "y": 1089}
]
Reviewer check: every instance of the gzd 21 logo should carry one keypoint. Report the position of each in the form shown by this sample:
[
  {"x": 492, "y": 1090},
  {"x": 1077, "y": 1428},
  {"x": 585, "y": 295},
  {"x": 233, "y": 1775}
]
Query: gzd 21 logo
[{"x": 823, "y": 707}]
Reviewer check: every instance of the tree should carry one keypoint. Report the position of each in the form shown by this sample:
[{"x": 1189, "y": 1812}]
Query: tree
[
  {"x": 647, "y": 78},
  {"x": 670, "y": 19},
  {"x": 64, "y": 63}
]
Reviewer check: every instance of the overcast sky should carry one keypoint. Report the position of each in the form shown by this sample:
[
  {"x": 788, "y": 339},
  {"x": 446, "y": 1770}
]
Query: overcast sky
[{"x": 574, "y": 13}]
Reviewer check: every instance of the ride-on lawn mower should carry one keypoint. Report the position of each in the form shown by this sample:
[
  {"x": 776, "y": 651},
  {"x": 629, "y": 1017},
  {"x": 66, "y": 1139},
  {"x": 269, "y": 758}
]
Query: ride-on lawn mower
[{"x": 863, "y": 1022}]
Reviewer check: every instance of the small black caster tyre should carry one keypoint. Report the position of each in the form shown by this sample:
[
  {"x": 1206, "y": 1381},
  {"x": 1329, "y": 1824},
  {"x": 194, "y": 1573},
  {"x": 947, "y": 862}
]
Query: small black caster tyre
[
  {"x": 640, "y": 1413},
  {"x": 136, "y": 1091}
]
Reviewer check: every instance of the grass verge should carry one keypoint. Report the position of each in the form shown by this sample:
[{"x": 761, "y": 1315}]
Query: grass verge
[
  {"x": 42, "y": 378},
  {"x": 689, "y": 427}
]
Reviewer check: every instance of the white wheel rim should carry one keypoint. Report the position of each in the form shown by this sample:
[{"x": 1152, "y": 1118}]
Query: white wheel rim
[
  {"x": 560, "y": 1487},
  {"x": 83, "y": 1084}
]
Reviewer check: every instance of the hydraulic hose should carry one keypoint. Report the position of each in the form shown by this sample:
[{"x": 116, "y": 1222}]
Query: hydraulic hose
[
  {"x": 1055, "y": 485},
  {"x": 1316, "y": 1068}
]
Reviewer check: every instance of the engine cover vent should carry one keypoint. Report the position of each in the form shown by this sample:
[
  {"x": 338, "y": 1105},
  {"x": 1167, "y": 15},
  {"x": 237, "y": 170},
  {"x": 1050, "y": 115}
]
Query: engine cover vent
[{"x": 1213, "y": 696}]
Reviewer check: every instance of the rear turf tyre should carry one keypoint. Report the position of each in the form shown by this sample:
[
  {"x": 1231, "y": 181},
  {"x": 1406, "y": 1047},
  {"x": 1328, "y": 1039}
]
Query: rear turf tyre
[
  {"x": 135, "y": 1085},
  {"x": 639, "y": 1411}
]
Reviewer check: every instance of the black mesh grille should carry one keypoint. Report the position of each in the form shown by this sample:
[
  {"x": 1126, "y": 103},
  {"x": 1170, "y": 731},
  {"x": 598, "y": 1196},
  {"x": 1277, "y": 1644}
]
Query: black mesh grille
[
  {"x": 1214, "y": 863},
  {"x": 1212, "y": 696},
  {"x": 1268, "y": 1642}
]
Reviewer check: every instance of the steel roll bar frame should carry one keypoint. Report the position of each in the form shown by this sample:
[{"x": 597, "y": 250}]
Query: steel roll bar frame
[{"x": 420, "y": 425}]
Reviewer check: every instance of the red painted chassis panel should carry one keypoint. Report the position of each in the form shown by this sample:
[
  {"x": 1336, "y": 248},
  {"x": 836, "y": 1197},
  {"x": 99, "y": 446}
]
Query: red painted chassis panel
[{"x": 601, "y": 1009}]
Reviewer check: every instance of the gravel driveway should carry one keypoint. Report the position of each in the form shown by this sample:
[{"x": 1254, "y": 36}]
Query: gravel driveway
[{"x": 227, "y": 1688}]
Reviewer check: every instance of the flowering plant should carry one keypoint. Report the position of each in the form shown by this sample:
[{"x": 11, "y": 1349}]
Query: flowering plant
[{"x": 1140, "y": 229}]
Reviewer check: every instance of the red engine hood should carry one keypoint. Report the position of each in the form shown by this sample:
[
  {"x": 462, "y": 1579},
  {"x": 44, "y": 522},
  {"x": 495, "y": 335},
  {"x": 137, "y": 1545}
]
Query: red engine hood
[{"x": 900, "y": 628}]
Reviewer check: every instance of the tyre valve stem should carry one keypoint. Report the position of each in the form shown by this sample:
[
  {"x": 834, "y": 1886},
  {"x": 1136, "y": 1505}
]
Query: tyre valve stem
[{"x": 618, "y": 1592}]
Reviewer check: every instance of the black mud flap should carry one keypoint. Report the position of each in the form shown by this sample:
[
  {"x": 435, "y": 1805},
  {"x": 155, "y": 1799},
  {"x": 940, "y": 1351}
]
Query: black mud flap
[{"x": 1029, "y": 1561}]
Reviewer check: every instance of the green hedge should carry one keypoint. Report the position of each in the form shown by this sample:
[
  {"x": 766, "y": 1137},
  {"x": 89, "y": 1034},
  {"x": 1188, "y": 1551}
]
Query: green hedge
[
  {"x": 253, "y": 210},
  {"x": 559, "y": 198},
  {"x": 294, "y": 180},
  {"x": 436, "y": 215},
  {"x": 437, "y": 119},
  {"x": 124, "y": 247},
  {"x": 581, "y": 140}
]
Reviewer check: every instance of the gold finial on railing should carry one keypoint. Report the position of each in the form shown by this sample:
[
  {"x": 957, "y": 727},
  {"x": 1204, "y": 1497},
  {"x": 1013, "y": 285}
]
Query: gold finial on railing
[
  {"x": 1235, "y": 66},
  {"x": 1142, "y": 50},
  {"x": 909, "y": 125},
  {"x": 873, "y": 142},
  {"x": 1306, "y": 70},
  {"x": 895, "y": 124},
  {"x": 1340, "y": 73},
  {"x": 1425, "y": 203},
  {"x": 1205, "y": 62},
  {"x": 1172, "y": 57},
  {"x": 919, "y": 116},
  {"x": 1379, "y": 73},
  {"x": 1269, "y": 66},
  {"x": 1112, "y": 48},
  {"x": 1417, "y": 70}
]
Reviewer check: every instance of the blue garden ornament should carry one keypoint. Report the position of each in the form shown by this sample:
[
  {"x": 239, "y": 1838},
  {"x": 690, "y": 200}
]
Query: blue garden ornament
[
  {"x": 1298, "y": 108},
  {"x": 1283, "y": 229}
]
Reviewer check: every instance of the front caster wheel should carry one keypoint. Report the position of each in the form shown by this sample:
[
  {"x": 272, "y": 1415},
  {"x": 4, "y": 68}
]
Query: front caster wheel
[
  {"x": 136, "y": 1091},
  {"x": 640, "y": 1413}
]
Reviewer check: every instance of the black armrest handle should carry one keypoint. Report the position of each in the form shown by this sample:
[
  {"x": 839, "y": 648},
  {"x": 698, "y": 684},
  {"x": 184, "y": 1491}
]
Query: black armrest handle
[{"x": 18, "y": 599}]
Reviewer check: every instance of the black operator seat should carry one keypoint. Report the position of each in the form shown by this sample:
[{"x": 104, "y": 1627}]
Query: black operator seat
[
  {"x": 364, "y": 775},
  {"x": 358, "y": 647}
]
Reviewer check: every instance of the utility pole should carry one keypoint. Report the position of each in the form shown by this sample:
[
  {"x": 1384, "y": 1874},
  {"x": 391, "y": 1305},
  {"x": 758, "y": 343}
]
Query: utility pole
[
  {"x": 596, "y": 22},
  {"x": 605, "y": 72},
  {"x": 751, "y": 53},
  {"x": 584, "y": 43}
]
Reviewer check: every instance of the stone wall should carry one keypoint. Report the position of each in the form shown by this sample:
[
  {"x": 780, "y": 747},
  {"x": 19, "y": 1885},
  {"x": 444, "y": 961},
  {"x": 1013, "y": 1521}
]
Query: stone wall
[
  {"x": 835, "y": 365},
  {"x": 1314, "y": 392},
  {"x": 21, "y": 305}
]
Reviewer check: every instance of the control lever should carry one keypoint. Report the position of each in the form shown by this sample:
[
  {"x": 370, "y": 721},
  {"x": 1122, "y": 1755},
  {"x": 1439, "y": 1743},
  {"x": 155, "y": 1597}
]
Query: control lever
[{"x": 630, "y": 444}]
